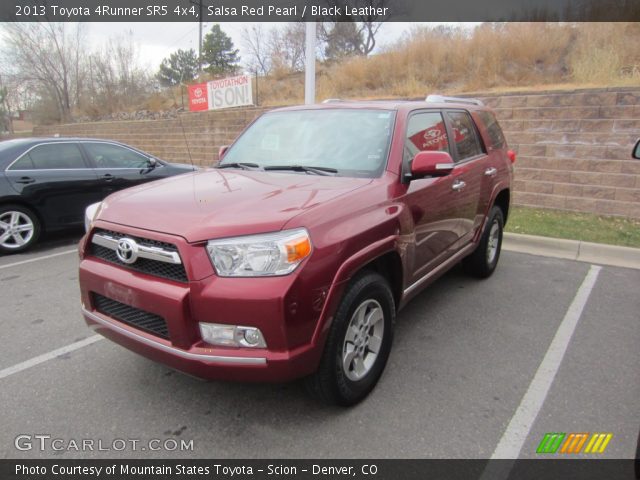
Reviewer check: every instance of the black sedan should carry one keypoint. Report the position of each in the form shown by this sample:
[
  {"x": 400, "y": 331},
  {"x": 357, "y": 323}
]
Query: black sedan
[{"x": 46, "y": 183}]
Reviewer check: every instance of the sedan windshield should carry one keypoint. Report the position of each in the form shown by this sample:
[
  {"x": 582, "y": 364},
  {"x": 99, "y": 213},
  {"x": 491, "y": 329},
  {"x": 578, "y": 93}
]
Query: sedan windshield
[{"x": 345, "y": 142}]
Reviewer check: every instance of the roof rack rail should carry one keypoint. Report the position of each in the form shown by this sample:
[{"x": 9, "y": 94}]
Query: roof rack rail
[
  {"x": 445, "y": 99},
  {"x": 333, "y": 100}
]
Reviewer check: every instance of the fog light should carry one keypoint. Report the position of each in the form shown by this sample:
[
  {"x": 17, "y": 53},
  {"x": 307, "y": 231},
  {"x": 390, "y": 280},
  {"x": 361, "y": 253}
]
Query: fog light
[
  {"x": 253, "y": 336},
  {"x": 232, "y": 335}
]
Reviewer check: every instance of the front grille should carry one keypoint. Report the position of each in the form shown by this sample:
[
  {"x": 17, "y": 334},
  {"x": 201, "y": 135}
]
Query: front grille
[
  {"x": 134, "y": 317},
  {"x": 156, "y": 268}
]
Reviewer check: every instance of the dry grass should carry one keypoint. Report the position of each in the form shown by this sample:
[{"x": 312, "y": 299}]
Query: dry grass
[{"x": 498, "y": 57}]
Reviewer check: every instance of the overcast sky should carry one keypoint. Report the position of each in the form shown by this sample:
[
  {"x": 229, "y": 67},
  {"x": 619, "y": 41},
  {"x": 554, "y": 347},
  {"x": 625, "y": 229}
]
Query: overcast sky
[{"x": 157, "y": 40}]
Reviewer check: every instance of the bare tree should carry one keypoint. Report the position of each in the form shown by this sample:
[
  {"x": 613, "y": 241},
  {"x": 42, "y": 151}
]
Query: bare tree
[
  {"x": 287, "y": 47},
  {"x": 254, "y": 40},
  {"x": 51, "y": 55},
  {"x": 116, "y": 78},
  {"x": 6, "y": 121}
]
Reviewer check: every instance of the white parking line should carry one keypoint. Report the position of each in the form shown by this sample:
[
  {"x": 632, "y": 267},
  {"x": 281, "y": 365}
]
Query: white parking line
[
  {"x": 44, "y": 257},
  {"x": 518, "y": 429},
  {"x": 49, "y": 356}
]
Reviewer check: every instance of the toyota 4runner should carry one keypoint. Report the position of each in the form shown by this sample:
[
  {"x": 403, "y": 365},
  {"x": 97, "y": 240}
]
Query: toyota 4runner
[{"x": 292, "y": 257}]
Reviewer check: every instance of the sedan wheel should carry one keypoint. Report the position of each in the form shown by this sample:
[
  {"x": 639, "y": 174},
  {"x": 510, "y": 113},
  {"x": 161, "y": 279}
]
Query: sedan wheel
[{"x": 19, "y": 229}]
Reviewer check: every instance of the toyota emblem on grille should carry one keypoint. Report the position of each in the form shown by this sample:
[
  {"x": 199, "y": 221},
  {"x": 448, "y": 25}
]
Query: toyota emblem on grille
[{"x": 127, "y": 250}]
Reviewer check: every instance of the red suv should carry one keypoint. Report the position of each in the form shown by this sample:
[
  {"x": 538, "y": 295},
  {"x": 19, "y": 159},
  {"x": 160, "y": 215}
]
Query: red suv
[{"x": 292, "y": 257}]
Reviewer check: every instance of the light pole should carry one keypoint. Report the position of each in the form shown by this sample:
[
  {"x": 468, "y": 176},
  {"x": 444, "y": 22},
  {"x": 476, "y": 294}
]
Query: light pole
[{"x": 310, "y": 64}]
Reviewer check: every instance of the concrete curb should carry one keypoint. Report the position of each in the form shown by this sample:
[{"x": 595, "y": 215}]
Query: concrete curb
[{"x": 573, "y": 250}]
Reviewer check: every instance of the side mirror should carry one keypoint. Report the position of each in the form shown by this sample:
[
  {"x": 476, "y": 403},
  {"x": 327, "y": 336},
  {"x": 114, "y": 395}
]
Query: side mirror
[
  {"x": 221, "y": 151},
  {"x": 636, "y": 151},
  {"x": 151, "y": 164},
  {"x": 431, "y": 164}
]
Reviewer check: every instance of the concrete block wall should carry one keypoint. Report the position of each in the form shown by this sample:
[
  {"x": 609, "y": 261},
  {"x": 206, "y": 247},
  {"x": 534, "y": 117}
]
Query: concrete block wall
[
  {"x": 194, "y": 137},
  {"x": 574, "y": 147}
]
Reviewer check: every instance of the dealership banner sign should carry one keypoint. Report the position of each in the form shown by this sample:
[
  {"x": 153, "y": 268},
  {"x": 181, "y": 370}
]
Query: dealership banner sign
[{"x": 223, "y": 93}]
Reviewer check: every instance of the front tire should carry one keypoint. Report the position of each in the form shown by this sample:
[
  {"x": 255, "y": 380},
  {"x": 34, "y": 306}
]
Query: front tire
[
  {"x": 484, "y": 260},
  {"x": 358, "y": 344},
  {"x": 19, "y": 228}
]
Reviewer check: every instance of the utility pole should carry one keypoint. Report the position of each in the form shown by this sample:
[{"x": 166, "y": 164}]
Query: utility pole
[{"x": 199, "y": 4}]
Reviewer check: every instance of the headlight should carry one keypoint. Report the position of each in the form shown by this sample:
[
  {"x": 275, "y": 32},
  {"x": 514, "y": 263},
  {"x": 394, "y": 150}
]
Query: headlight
[
  {"x": 262, "y": 255},
  {"x": 90, "y": 215}
]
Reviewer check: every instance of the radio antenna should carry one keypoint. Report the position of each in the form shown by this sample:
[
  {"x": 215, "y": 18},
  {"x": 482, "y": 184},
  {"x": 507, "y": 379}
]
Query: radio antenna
[{"x": 186, "y": 142}]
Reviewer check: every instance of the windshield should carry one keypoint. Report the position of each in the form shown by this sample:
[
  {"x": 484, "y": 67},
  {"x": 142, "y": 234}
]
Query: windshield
[{"x": 349, "y": 141}]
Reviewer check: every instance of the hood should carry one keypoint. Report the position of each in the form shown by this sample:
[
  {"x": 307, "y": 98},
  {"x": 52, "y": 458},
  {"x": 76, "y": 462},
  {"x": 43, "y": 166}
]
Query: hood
[{"x": 221, "y": 203}]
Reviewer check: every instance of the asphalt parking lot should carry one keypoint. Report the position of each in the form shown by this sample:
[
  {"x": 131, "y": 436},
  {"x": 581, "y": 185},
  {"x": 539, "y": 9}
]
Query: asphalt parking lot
[{"x": 545, "y": 345}]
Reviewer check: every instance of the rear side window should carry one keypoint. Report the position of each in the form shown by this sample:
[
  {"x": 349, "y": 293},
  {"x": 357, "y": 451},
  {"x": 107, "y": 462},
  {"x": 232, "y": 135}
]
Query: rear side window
[
  {"x": 426, "y": 132},
  {"x": 493, "y": 129},
  {"x": 55, "y": 156},
  {"x": 23, "y": 163},
  {"x": 464, "y": 135}
]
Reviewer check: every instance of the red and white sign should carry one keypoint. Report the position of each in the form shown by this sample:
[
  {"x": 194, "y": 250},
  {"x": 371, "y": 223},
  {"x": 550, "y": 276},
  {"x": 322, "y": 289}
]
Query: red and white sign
[
  {"x": 198, "y": 97},
  {"x": 223, "y": 93},
  {"x": 230, "y": 92},
  {"x": 434, "y": 138}
]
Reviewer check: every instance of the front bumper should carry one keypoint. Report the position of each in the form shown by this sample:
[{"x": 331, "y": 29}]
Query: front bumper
[
  {"x": 206, "y": 363},
  {"x": 277, "y": 306}
]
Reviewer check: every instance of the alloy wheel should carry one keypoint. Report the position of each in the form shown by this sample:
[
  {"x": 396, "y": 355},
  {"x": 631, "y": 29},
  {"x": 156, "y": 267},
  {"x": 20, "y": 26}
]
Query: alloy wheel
[
  {"x": 16, "y": 229},
  {"x": 363, "y": 340},
  {"x": 494, "y": 241}
]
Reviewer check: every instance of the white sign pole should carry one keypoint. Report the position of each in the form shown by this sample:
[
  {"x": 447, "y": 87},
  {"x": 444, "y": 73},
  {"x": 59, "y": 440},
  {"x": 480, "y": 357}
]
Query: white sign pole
[{"x": 310, "y": 64}]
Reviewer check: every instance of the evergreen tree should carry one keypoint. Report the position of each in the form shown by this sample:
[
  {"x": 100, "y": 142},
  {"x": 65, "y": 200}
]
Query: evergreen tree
[
  {"x": 218, "y": 52},
  {"x": 180, "y": 67},
  {"x": 343, "y": 40}
]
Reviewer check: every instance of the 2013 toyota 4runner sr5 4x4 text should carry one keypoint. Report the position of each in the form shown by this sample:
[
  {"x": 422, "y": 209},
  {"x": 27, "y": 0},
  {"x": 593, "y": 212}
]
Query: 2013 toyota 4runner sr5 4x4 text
[{"x": 292, "y": 257}]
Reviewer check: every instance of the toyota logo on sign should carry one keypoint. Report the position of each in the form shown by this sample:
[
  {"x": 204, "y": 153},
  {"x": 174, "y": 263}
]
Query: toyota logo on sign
[
  {"x": 127, "y": 251},
  {"x": 197, "y": 92}
]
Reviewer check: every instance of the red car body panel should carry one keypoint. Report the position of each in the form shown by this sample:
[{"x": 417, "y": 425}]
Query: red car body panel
[
  {"x": 422, "y": 227},
  {"x": 221, "y": 203}
]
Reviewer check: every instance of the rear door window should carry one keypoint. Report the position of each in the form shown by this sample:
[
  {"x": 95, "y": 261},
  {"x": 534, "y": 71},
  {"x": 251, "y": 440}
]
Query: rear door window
[{"x": 464, "y": 135}]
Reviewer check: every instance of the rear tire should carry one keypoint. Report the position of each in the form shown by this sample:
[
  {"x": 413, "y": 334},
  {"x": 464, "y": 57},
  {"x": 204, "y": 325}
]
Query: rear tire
[
  {"x": 484, "y": 260},
  {"x": 19, "y": 228},
  {"x": 358, "y": 344}
]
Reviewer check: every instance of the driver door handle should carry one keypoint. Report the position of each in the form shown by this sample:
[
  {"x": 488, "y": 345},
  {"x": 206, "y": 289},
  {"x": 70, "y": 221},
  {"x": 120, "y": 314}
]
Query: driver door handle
[
  {"x": 25, "y": 180},
  {"x": 108, "y": 177},
  {"x": 458, "y": 185}
]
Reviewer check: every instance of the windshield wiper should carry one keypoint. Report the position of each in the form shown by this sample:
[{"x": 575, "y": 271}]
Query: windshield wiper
[
  {"x": 242, "y": 165},
  {"x": 303, "y": 168}
]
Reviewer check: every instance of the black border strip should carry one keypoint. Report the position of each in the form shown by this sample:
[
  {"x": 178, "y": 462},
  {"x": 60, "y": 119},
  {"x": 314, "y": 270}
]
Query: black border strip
[
  {"x": 319, "y": 10},
  {"x": 552, "y": 468}
]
